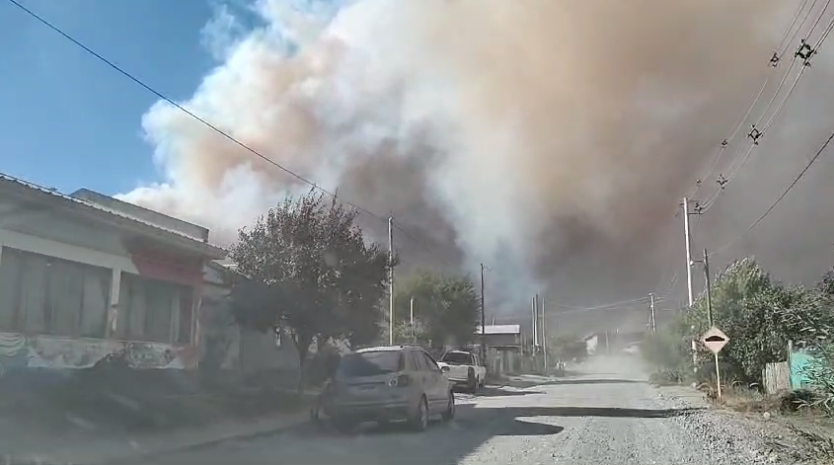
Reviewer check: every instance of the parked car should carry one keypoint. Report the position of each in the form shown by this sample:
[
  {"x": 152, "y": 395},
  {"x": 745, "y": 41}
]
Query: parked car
[
  {"x": 463, "y": 369},
  {"x": 385, "y": 384}
]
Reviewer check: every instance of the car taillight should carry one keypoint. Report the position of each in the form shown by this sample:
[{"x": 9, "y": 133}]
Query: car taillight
[{"x": 400, "y": 381}]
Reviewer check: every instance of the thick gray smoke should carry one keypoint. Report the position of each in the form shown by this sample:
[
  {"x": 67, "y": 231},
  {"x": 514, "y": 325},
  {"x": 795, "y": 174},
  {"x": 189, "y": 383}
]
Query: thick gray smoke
[{"x": 549, "y": 139}]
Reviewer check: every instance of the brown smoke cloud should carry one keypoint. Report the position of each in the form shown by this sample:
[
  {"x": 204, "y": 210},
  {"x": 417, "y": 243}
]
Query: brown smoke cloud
[{"x": 549, "y": 139}]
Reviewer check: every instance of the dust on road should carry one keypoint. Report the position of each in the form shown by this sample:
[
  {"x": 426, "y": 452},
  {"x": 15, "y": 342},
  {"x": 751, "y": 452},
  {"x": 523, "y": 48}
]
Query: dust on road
[{"x": 606, "y": 415}]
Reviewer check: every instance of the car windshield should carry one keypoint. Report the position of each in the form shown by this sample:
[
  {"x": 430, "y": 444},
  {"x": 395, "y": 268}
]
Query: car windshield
[
  {"x": 457, "y": 358},
  {"x": 370, "y": 364}
]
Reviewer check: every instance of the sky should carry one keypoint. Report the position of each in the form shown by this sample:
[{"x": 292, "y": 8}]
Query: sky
[
  {"x": 68, "y": 120},
  {"x": 448, "y": 115}
]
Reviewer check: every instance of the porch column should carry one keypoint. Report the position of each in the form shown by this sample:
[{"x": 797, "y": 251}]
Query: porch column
[{"x": 113, "y": 311}]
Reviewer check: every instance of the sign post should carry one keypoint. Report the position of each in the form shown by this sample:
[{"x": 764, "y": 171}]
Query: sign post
[{"x": 715, "y": 340}]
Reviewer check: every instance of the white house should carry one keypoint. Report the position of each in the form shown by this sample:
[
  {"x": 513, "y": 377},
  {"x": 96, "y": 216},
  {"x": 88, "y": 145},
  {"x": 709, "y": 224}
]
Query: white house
[{"x": 84, "y": 276}]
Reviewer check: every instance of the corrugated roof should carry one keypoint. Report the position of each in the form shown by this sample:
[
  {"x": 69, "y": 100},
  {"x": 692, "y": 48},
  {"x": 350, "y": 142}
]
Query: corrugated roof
[
  {"x": 94, "y": 207},
  {"x": 500, "y": 329}
]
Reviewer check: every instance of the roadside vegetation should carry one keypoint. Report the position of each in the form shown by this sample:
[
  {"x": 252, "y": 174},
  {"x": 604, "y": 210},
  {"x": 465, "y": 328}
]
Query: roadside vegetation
[{"x": 760, "y": 315}]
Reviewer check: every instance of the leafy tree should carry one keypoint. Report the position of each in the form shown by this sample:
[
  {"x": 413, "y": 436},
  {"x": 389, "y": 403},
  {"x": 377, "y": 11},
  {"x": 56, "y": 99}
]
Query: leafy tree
[
  {"x": 447, "y": 309},
  {"x": 306, "y": 269},
  {"x": 826, "y": 285},
  {"x": 758, "y": 314}
]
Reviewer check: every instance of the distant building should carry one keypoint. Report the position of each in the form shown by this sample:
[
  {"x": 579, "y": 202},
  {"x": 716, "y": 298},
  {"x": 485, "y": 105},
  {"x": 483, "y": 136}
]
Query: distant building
[{"x": 504, "y": 347}]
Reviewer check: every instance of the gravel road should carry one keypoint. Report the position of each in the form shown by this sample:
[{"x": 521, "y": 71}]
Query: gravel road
[{"x": 606, "y": 415}]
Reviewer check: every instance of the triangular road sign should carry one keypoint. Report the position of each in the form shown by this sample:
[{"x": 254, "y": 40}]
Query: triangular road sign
[{"x": 714, "y": 340}]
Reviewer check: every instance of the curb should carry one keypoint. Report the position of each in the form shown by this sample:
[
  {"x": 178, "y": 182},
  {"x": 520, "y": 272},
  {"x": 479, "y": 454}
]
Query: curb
[{"x": 292, "y": 422}]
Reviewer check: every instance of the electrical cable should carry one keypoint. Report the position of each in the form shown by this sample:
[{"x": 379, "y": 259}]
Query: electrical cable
[{"x": 212, "y": 126}]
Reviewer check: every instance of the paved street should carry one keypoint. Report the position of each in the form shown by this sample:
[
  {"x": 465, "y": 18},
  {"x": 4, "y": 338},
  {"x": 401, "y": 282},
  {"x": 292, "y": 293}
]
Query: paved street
[{"x": 606, "y": 415}]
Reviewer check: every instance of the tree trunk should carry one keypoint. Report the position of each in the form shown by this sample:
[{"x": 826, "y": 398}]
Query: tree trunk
[{"x": 302, "y": 347}]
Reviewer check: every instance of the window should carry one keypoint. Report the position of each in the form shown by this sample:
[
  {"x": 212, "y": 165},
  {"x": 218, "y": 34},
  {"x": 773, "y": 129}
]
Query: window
[
  {"x": 457, "y": 358},
  {"x": 47, "y": 295},
  {"x": 357, "y": 365},
  {"x": 431, "y": 365},
  {"x": 154, "y": 311}
]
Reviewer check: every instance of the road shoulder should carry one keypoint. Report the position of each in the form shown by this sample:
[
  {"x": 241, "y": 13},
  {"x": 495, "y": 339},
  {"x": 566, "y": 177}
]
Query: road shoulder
[
  {"x": 767, "y": 438},
  {"x": 88, "y": 450}
]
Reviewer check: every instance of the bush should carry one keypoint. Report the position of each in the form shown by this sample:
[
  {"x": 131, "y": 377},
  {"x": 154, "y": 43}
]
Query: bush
[{"x": 821, "y": 377}]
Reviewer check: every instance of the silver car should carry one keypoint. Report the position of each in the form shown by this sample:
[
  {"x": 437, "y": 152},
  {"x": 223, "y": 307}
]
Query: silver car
[{"x": 386, "y": 384}]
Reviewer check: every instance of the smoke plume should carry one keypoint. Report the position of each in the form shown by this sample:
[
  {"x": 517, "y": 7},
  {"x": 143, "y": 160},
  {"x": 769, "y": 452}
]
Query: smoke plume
[{"x": 549, "y": 139}]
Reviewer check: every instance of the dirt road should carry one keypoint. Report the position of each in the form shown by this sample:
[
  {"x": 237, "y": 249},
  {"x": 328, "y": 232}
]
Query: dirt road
[{"x": 606, "y": 415}]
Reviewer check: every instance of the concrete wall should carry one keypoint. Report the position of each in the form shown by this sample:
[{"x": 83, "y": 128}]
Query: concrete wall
[{"x": 245, "y": 350}]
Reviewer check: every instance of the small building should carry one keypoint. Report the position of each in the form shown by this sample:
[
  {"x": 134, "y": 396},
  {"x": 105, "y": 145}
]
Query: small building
[
  {"x": 84, "y": 277},
  {"x": 503, "y": 347}
]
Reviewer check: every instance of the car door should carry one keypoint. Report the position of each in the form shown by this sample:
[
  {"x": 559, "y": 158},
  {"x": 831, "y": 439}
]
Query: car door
[
  {"x": 476, "y": 364},
  {"x": 436, "y": 384},
  {"x": 419, "y": 370}
]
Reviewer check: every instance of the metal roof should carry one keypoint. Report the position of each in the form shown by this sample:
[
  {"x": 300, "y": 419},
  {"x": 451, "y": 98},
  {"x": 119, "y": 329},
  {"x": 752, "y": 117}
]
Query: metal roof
[
  {"x": 499, "y": 329},
  {"x": 382, "y": 349},
  {"x": 56, "y": 195}
]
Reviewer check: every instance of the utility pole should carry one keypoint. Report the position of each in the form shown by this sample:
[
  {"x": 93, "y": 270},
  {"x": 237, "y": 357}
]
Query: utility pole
[
  {"x": 707, "y": 284},
  {"x": 710, "y": 319},
  {"x": 652, "y": 317},
  {"x": 689, "y": 263},
  {"x": 483, "y": 318},
  {"x": 535, "y": 323},
  {"x": 607, "y": 344},
  {"x": 688, "y": 241},
  {"x": 391, "y": 283},
  {"x": 544, "y": 336}
]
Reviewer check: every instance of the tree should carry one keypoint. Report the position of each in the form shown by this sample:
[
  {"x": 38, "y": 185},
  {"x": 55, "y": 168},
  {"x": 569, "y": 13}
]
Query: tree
[
  {"x": 446, "y": 309},
  {"x": 759, "y": 315},
  {"x": 306, "y": 269}
]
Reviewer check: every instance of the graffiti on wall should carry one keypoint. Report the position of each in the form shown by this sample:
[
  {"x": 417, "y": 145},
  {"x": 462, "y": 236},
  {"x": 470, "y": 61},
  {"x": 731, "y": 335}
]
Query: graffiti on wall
[{"x": 18, "y": 351}]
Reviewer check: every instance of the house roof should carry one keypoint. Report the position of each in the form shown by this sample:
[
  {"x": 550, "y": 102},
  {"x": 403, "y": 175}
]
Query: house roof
[
  {"x": 118, "y": 216},
  {"x": 499, "y": 329}
]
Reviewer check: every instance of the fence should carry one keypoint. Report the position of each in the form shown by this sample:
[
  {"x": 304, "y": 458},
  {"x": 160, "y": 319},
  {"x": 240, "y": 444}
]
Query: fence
[{"x": 800, "y": 360}]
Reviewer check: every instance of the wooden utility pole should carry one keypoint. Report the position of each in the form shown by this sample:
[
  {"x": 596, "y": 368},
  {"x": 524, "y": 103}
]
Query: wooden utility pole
[
  {"x": 711, "y": 320},
  {"x": 544, "y": 336},
  {"x": 391, "y": 283},
  {"x": 483, "y": 319}
]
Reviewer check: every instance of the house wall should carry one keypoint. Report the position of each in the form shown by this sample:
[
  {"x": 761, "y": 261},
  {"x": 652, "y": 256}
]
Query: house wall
[
  {"x": 244, "y": 349},
  {"x": 98, "y": 298},
  {"x": 219, "y": 335},
  {"x": 502, "y": 339},
  {"x": 263, "y": 352}
]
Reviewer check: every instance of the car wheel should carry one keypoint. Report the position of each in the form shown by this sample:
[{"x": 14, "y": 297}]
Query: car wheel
[
  {"x": 449, "y": 414},
  {"x": 471, "y": 381},
  {"x": 420, "y": 420}
]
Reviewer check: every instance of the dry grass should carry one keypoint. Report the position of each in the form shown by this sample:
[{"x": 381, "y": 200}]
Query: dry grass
[{"x": 789, "y": 410}]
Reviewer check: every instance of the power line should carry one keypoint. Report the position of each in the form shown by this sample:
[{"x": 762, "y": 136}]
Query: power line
[
  {"x": 803, "y": 52},
  {"x": 779, "y": 199},
  {"x": 773, "y": 63},
  {"x": 210, "y": 125}
]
